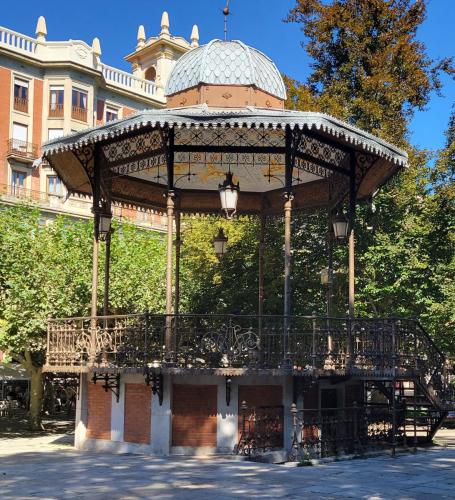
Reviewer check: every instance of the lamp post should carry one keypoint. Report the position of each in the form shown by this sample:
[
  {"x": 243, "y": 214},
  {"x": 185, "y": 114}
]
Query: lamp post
[
  {"x": 105, "y": 232},
  {"x": 220, "y": 243},
  {"x": 229, "y": 194}
]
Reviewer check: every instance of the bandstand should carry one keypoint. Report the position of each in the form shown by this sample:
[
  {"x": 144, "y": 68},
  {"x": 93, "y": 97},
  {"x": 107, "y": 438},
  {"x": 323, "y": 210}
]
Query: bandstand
[{"x": 185, "y": 383}]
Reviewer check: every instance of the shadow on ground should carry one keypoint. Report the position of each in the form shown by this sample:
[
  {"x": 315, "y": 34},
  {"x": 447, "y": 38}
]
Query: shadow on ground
[{"x": 66, "y": 473}]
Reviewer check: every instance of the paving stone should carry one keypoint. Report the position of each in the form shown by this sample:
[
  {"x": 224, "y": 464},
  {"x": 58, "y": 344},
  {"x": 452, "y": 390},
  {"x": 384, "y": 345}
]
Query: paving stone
[{"x": 48, "y": 468}]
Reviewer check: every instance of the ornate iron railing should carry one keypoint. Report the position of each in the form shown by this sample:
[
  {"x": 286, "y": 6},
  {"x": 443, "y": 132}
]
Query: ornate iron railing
[
  {"x": 324, "y": 432},
  {"x": 261, "y": 430},
  {"x": 389, "y": 347},
  {"x": 15, "y": 147}
]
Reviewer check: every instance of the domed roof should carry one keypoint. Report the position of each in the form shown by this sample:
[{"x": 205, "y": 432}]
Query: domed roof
[{"x": 226, "y": 63}]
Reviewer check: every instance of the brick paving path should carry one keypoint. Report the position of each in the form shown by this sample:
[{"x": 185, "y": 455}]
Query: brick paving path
[{"x": 47, "y": 467}]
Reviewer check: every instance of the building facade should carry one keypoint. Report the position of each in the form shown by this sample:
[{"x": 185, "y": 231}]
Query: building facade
[{"x": 53, "y": 88}]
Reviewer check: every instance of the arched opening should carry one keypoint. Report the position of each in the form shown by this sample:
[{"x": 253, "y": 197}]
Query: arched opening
[{"x": 150, "y": 74}]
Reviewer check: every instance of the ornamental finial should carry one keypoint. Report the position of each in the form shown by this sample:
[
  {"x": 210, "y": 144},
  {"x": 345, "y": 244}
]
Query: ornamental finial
[
  {"x": 226, "y": 13},
  {"x": 96, "y": 47},
  {"x": 195, "y": 36},
  {"x": 164, "y": 24},
  {"x": 140, "y": 36},
  {"x": 41, "y": 30}
]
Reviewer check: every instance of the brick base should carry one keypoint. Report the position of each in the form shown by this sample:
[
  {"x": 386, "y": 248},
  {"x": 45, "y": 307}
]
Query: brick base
[
  {"x": 194, "y": 415},
  {"x": 137, "y": 413},
  {"x": 99, "y": 404}
]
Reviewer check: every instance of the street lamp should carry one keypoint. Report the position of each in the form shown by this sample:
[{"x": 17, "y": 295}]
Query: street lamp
[
  {"x": 340, "y": 226},
  {"x": 220, "y": 243},
  {"x": 104, "y": 225},
  {"x": 229, "y": 194}
]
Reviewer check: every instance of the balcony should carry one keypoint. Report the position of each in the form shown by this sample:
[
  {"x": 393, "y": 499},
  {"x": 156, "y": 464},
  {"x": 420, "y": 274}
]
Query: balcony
[
  {"x": 21, "y": 150},
  {"x": 57, "y": 111},
  {"x": 21, "y": 104},
  {"x": 8, "y": 192},
  {"x": 78, "y": 113},
  {"x": 231, "y": 344}
]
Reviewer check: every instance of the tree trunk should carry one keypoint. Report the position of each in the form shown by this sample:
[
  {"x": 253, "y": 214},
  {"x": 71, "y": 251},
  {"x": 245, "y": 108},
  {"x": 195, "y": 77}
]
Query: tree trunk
[
  {"x": 36, "y": 398},
  {"x": 36, "y": 392}
]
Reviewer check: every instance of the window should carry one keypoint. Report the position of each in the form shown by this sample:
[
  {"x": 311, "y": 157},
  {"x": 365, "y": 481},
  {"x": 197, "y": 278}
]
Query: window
[
  {"x": 20, "y": 95},
  {"x": 54, "y": 185},
  {"x": 56, "y": 99},
  {"x": 111, "y": 114},
  {"x": 20, "y": 136},
  {"x": 79, "y": 105},
  {"x": 79, "y": 99},
  {"x": 17, "y": 182},
  {"x": 54, "y": 133},
  {"x": 150, "y": 74}
]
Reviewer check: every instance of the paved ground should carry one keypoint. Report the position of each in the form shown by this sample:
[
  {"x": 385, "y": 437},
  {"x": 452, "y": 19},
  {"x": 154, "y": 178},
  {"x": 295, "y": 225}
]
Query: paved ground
[{"x": 47, "y": 467}]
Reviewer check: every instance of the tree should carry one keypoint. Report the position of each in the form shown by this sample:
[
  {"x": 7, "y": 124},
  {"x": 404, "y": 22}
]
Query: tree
[
  {"x": 46, "y": 272},
  {"x": 368, "y": 67}
]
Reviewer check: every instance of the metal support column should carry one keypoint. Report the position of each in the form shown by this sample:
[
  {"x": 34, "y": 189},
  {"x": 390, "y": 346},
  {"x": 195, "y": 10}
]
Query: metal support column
[
  {"x": 169, "y": 266},
  {"x": 178, "y": 244},
  {"x": 107, "y": 270},
  {"x": 287, "y": 273},
  {"x": 287, "y": 244},
  {"x": 168, "y": 137},
  {"x": 352, "y": 207},
  {"x": 261, "y": 271}
]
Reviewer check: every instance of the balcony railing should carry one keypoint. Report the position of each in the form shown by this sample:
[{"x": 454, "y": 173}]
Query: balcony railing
[
  {"x": 56, "y": 110},
  {"x": 22, "y": 149},
  {"x": 17, "y": 41},
  {"x": 128, "y": 81},
  {"x": 21, "y": 104},
  {"x": 386, "y": 347},
  {"x": 22, "y": 193},
  {"x": 79, "y": 113}
]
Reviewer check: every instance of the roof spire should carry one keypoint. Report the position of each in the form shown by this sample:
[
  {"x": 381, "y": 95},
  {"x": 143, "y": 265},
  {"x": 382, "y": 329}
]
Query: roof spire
[
  {"x": 195, "y": 36},
  {"x": 164, "y": 25},
  {"x": 41, "y": 30},
  {"x": 140, "y": 37},
  {"x": 226, "y": 12}
]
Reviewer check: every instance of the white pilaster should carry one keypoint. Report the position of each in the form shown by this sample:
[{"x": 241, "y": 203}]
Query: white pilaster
[
  {"x": 227, "y": 417},
  {"x": 287, "y": 419},
  {"x": 118, "y": 414},
  {"x": 161, "y": 421},
  {"x": 81, "y": 413}
]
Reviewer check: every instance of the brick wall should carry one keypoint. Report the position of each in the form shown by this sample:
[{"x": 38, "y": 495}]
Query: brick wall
[
  {"x": 261, "y": 395},
  {"x": 99, "y": 404},
  {"x": 137, "y": 413},
  {"x": 128, "y": 111},
  {"x": 194, "y": 410},
  {"x": 5, "y": 96},
  {"x": 37, "y": 126}
]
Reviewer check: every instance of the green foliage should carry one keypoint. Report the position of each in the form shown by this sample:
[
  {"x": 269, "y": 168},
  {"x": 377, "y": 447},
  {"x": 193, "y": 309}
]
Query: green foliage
[
  {"x": 46, "y": 272},
  {"x": 370, "y": 69}
]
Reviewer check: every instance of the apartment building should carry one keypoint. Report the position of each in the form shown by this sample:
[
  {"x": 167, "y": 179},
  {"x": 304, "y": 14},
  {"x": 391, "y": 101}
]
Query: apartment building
[{"x": 53, "y": 88}]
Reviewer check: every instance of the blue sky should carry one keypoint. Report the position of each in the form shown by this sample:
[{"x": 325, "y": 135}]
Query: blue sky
[{"x": 256, "y": 22}]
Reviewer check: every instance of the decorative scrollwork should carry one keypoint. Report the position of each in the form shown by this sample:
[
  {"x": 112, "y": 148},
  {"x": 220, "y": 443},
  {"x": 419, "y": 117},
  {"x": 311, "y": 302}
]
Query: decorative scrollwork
[{"x": 231, "y": 342}]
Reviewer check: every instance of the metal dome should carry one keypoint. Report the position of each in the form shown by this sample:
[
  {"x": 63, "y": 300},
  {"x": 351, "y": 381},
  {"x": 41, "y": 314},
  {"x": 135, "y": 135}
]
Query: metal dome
[{"x": 226, "y": 63}]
